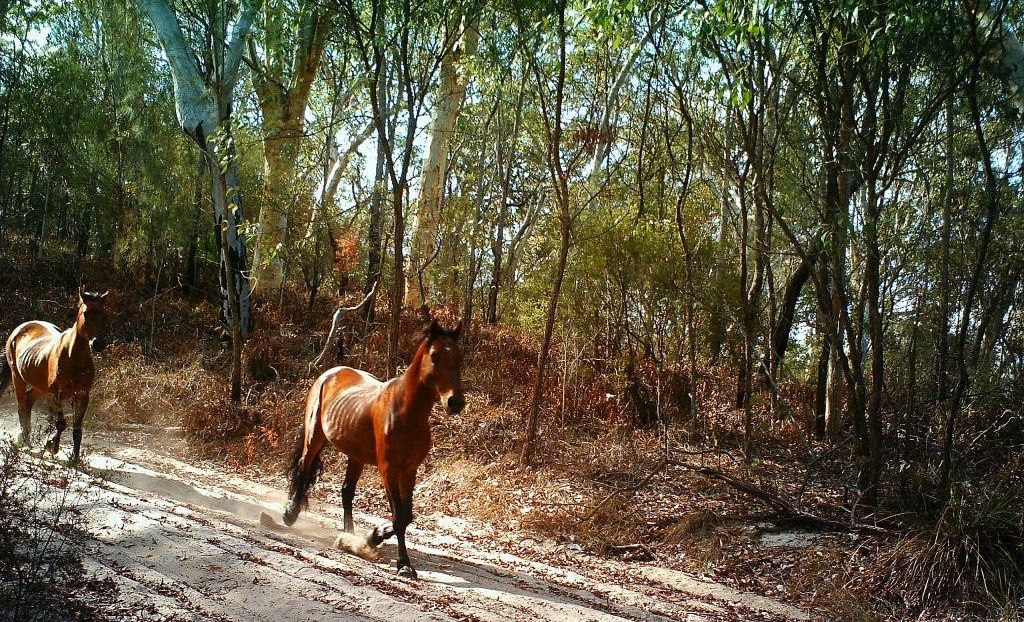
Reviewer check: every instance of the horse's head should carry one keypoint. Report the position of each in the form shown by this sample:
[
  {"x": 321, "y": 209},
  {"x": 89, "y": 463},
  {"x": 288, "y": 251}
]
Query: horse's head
[
  {"x": 441, "y": 367},
  {"x": 92, "y": 318}
]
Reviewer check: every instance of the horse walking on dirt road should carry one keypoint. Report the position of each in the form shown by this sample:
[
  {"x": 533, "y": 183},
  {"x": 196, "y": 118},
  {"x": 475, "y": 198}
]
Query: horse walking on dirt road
[
  {"x": 41, "y": 360},
  {"x": 382, "y": 423}
]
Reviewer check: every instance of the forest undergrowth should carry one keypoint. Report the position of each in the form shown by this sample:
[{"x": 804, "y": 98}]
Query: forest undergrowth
[{"x": 781, "y": 524}]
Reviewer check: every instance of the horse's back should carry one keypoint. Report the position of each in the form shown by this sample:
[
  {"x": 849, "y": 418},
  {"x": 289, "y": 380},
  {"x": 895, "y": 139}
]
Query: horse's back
[
  {"x": 345, "y": 382},
  {"x": 28, "y": 351},
  {"x": 33, "y": 331},
  {"x": 346, "y": 397}
]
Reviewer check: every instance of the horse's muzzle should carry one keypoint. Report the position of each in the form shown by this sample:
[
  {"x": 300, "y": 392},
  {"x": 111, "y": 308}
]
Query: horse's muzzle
[
  {"x": 455, "y": 404},
  {"x": 98, "y": 344}
]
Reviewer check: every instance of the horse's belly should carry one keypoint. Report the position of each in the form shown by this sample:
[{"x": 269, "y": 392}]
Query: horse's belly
[{"x": 348, "y": 425}]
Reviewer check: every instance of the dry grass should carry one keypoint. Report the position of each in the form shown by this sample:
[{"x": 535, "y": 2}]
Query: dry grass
[
  {"x": 973, "y": 552},
  {"x": 593, "y": 484}
]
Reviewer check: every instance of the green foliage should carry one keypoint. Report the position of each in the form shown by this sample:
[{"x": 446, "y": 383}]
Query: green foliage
[{"x": 777, "y": 130}]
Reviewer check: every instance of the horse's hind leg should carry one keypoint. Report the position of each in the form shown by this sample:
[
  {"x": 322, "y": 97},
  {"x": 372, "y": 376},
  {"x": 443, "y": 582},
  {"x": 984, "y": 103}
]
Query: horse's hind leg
[
  {"x": 23, "y": 393},
  {"x": 59, "y": 423},
  {"x": 348, "y": 492},
  {"x": 303, "y": 472}
]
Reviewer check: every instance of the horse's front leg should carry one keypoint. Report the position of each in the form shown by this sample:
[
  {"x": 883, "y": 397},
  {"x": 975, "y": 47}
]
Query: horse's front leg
[
  {"x": 59, "y": 423},
  {"x": 400, "y": 495},
  {"x": 81, "y": 404}
]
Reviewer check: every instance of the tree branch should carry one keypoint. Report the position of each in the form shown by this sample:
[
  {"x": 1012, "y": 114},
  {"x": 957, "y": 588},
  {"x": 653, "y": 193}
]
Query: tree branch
[{"x": 337, "y": 320}]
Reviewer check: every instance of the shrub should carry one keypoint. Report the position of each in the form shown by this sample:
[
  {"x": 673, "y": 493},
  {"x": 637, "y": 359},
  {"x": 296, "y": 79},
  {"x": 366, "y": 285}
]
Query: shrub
[
  {"x": 973, "y": 552},
  {"x": 41, "y": 572}
]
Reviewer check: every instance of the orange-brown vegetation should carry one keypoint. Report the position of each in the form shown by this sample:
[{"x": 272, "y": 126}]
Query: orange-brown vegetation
[{"x": 600, "y": 482}]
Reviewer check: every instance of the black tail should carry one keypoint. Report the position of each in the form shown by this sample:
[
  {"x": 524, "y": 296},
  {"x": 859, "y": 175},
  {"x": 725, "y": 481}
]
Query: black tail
[
  {"x": 300, "y": 480},
  {"x": 5, "y": 372}
]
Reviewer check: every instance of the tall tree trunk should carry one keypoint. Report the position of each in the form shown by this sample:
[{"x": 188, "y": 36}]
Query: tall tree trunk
[
  {"x": 397, "y": 286},
  {"x": 942, "y": 349},
  {"x": 223, "y": 186},
  {"x": 526, "y": 455},
  {"x": 375, "y": 234},
  {"x": 203, "y": 110},
  {"x": 227, "y": 203},
  {"x": 718, "y": 277},
  {"x": 283, "y": 88},
  {"x": 876, "y": 328},
  {"x": 553, "y": 111},
  {"x": 450, "y": 96},
  {"x": 192, "y": 255},
  {"x": 991, "y": 215}
]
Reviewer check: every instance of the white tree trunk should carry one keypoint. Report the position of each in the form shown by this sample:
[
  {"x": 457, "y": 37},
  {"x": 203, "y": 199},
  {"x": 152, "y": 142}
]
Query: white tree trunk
[
  {"x": 283, "y": 99},
  {"x": 201, "y": 111},
  {"x": 193, "y": 101},
  {"x": 450, "y": 97}
]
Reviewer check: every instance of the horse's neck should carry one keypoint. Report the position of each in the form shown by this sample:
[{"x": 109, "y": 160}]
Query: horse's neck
[
  {"x": 417, "y": 399},
  {"x": 74, "y": 341}
]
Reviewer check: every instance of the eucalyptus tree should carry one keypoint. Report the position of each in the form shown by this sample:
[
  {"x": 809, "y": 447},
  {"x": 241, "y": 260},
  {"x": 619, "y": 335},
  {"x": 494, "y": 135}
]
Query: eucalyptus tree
[
  {"x": 410, "y": 41},
  {"x": 448, "y": 102},
  {"x": 982, "y": 36},
  {"x": 753, "y": 61},
  {"x": 284, "y": 64},
  {"x": 204, "y": 94},
  {"x": 547, "y": 60}
]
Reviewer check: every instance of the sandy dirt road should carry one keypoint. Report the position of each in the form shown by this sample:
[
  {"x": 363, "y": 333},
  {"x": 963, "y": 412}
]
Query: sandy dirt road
[{"x": 185, "y": 542}]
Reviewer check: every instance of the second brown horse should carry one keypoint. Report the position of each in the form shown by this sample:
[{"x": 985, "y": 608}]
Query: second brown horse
[
  {"x": 41, "y": 360},
  {"x": 382, "y": 423}
]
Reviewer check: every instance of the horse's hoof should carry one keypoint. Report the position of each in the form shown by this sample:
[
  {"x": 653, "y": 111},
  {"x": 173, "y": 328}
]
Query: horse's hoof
[
  {"x": 407, "y": 571},
  {"x": 375, "y": 537},
  {"x": 51, "y": 448},
  {"x": 291, "y": 514}
]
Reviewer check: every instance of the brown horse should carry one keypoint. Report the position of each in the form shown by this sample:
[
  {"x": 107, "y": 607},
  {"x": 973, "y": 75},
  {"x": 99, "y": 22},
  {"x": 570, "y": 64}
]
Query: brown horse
[
  {"x": 42, "y": 360},
  {"x": 382, "y": 423}
]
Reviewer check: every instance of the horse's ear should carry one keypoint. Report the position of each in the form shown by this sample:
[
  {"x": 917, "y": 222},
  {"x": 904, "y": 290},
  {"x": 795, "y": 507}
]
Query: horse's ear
[
  {"x": 457, "y": 331},
  {"x": 435, "y": 329}
]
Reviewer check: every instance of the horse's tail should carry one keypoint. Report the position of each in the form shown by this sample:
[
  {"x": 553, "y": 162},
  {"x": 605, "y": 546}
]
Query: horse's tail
[{"x": 304, "y": 469}]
